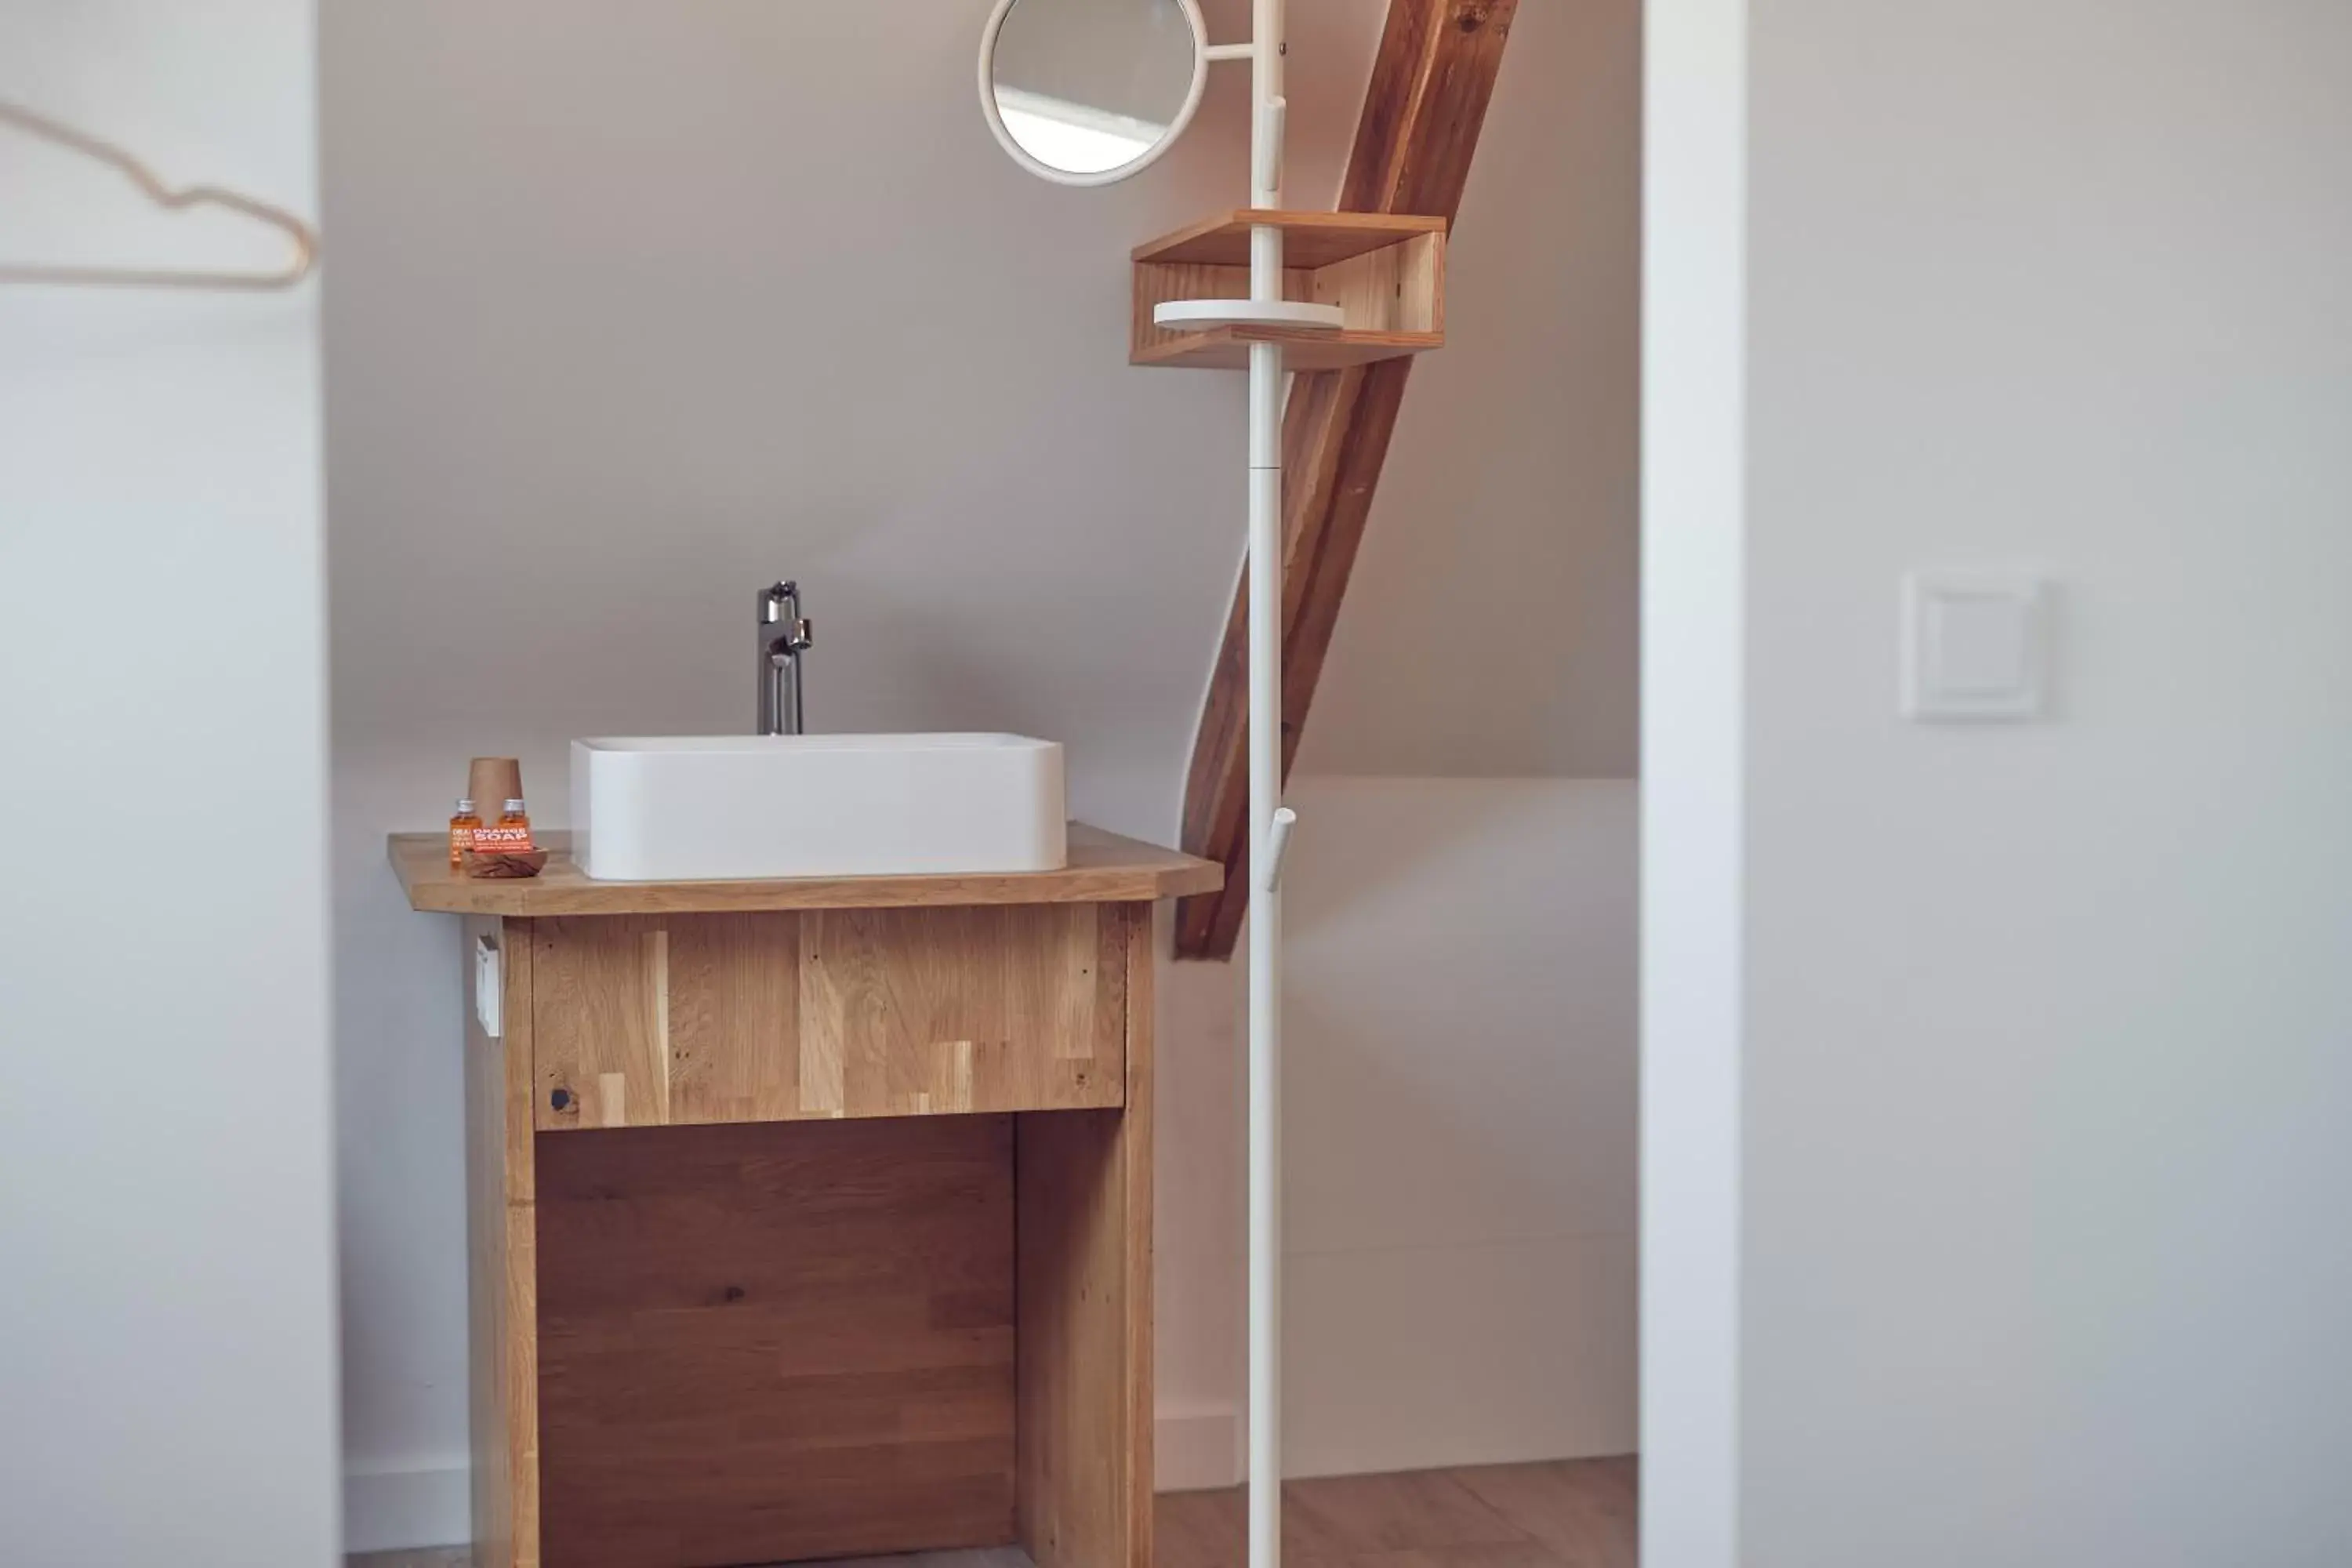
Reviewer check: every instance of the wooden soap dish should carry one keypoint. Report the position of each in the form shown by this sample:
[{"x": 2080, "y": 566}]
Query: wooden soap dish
[{"x": 502, "y": 867}]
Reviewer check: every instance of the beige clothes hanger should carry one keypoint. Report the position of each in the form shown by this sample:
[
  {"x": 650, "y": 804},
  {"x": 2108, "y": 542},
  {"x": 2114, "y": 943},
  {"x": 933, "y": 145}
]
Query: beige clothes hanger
[{"x": 306, "y": 243}]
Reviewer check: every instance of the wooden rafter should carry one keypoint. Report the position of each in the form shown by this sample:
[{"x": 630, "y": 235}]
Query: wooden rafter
[{"x": 1423, "y": 107}]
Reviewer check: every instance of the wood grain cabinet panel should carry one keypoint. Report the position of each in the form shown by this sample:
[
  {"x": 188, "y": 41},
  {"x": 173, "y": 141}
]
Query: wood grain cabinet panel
[
  {"x": 502, "y": 1245},
  {"x": 672, "y": 1020},
  {"x": 769, "y": 1342}
]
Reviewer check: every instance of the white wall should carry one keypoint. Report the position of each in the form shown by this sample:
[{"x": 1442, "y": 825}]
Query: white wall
[
  {"x": 167, "y": 1371},
  {"x": 2048, "y": 1105},
  {"x": 1459, "y": 1092},
  {"x": 1459, "y": 1106},
  {"x": 1492, "y": 627},
  {"x": 576, "y": 416}
]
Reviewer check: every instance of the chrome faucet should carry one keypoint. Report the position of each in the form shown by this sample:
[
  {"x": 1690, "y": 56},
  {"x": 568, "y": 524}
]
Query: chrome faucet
[{"x": 784, "y": 637}]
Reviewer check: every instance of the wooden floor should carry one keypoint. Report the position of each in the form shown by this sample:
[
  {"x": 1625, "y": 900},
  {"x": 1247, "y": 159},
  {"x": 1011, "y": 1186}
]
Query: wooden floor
[{"x": 1567, "y": 1514}]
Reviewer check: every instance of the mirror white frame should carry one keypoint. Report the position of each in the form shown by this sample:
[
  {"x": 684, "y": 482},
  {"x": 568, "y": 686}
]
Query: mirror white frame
[{"x": 1135, "y": 165}]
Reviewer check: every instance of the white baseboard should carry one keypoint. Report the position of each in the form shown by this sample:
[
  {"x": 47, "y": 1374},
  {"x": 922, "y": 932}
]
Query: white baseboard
[{"x": 399, "y": 1510}]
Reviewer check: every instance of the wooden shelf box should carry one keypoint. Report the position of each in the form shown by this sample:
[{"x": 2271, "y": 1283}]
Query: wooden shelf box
[{"x": 1386, "y": 273}]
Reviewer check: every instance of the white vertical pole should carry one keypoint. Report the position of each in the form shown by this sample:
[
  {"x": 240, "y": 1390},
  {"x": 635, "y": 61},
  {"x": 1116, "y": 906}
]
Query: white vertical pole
[{"x": 1264, "y": 797}]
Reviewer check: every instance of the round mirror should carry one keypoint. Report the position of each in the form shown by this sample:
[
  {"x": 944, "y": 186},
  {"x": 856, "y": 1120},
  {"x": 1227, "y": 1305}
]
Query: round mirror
[{"x": 1088, "y": 91}]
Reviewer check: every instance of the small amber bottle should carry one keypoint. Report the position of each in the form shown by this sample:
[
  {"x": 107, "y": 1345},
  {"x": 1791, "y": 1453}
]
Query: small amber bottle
[
  {"x": 461, "y": 833},
  {"x": 514, "y": 829}
]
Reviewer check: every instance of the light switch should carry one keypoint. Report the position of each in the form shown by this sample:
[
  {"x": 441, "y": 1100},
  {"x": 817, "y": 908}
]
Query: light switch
[{"x": 1976, "y": 646}]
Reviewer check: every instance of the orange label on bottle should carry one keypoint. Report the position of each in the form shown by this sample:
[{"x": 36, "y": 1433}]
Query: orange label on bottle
[{"x": 503, "y": 840}]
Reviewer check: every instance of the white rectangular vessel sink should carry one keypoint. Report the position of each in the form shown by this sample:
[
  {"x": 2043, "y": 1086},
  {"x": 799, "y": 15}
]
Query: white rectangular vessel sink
[{"x": 751, "y": 808}]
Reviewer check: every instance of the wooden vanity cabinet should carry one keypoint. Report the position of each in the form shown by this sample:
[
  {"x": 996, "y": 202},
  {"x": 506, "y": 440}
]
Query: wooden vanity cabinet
[{"x": 809, "y": 1232}]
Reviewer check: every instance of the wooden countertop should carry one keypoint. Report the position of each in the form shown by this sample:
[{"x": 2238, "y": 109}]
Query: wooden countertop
[{"x": 1103, "y": 868}]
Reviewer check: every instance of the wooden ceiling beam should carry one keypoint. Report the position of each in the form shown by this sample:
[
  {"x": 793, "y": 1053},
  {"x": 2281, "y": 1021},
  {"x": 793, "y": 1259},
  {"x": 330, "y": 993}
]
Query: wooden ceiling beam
[{"x": 1424, "y": 108}]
